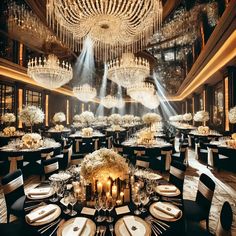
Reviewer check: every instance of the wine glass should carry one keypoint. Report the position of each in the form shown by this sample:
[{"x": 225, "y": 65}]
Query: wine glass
[
  {"x": 54, "y": 186},
  {"x": 110, "y": 205},
  {"x": 144, "y": 198},
  {"x": 98, "y": 207},
  {"x": 73, "y": 201},
  {"x": 136, "y": 200},
  {"x": 149, "y": 188},
  {"x": 60, "y": 189},
  {"x": 67, "y": 201}
]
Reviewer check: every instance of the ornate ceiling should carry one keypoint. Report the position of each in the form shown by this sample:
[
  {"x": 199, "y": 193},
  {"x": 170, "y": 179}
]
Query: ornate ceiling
[{"x": 168, "y": 50}]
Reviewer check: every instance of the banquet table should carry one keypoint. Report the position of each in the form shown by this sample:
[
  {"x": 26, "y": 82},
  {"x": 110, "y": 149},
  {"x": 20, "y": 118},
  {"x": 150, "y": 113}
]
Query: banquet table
[
  {"x": 175, "y": 228},
  {"x": 79, "y": 134},
  {"x": 29, "y": 155},
  {"x": 4, "y": 140}
]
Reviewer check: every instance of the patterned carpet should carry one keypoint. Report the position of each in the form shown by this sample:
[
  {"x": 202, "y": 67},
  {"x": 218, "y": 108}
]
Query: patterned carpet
[{"x": 225, "y": 190}]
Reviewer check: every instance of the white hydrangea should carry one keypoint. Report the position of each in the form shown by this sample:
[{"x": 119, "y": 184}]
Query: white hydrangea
[
  {"x": 201, "y": 116},
  {"x": 8, "y": 118},
  {"x": 59, "y": 117},
  {"x": 187, "y": 117},
  {"x": 151, "y": 118},
  {"x": 232, "y": 115}
]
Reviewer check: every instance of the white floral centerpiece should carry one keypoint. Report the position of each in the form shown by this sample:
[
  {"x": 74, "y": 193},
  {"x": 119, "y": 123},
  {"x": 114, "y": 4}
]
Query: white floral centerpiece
[
  {"x": 137, "y": 119},
  {"x": 103, "y": 164},
  {"x": 203, "y": 130},
  {"x": 59, "y": 117},
  {"x": 31, "y": 115},
  {"x": 8, "y": 118},
  {"x": 59, "y": 128},
  {"x": 87, "y": 118},
  {"x": 145, "y": 136},
  {"x": 201, "y": 116},
  {"x": 32, "y": 140},
  {"x": 87, "y": 132},
  {"x": 232, "y": 115},
  {"x": 9, "y": 131},
  {"x": 115, "y": 121},
  {"x": 128, "y": 119},
  {"x": 76, "y": 121},
  {"x": 187, "y": 117}
]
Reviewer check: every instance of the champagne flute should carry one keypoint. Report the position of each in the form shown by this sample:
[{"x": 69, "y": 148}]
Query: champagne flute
[
  {"x": 54, "y": 186},
  {"x": 110, "y": 205},
  {"x": 73, "y": 201},
  {"x": 137, "y": 202},
  {"x": 98, "y": 207},
  {"x": 144, "y": 198}
]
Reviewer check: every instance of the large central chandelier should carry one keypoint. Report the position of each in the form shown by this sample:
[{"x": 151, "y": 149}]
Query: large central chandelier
[
  {"x": 128, "y": 70},
  {"x": 85, "y": 92},
  {"x": 114, "y": 26},
  {"x": 152, "y": 102},
  {"x": 50, "y": 72}
]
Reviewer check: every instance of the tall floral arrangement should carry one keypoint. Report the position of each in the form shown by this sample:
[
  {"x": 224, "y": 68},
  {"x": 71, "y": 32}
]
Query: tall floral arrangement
[
  {"x": 115, "y": 119},
  {"x": 87, "y": 118},
  {"x": 76, "y": 118},
  {"x": 102, "y": 164},
  {"x": 187, "y": 117},
  {"x": 59, "y": 117},
  {"x": 151, "y": 118},
  {"x": 31, "y": 115},
  {"x": 232, "y": 115},
  {"x": 201, "y": 116}
]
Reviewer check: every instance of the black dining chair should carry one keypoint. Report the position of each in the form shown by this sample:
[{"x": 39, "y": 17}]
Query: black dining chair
[
  {"x": 199, "y": 209},
  {"x": 177, "y": 174},
  {"x": 65, "y": 157},
  {"x": 182, "y": 155},
  {"x": 13, "y": 189},
  {"x": 50, "y": 166},
  {"x": 16, "y": 161},
  {"x": 223, "y": 227}
]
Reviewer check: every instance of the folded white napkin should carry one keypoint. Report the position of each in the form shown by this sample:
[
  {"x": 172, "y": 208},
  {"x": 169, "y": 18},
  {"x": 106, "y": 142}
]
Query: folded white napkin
[
  {"x": 40, "y": 213},
  {"x": 169, "y": 210},
  {"x": 78, "y": 224},
  {"x": 133, "y": 226},
  {"x": 167, "y": 188},
  {"x": 40, "y": 191}
]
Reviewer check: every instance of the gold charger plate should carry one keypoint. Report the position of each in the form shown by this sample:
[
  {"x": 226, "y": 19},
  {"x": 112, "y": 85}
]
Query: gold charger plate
[
  {"x": 168, "y": 194},
  {"x": 38, "y": 197},
  {"x": 89, "y": 229},
  {"x": 120, "y": 223},
  {"x": 163, "y": 216},
  {"x": 51, "y": 217}
]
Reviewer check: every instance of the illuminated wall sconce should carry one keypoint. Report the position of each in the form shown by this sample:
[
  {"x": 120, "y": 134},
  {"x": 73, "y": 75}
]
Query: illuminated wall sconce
[
  {"x": 67, "y": 112},
  {"x": 46, "y": 109},
  {"x": 226, "y": 103},
  {"x": 20, "y": 105}
]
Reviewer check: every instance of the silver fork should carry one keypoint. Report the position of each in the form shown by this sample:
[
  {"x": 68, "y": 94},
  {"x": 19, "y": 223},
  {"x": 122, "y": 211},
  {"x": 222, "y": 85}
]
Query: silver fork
[{"x": 111, "y": 228}]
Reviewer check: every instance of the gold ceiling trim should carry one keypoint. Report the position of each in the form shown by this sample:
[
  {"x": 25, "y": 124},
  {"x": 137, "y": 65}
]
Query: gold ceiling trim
[{"x": 224, "y": 55}]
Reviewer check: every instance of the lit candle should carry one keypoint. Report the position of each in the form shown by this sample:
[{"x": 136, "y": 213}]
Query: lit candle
[
  {"x": 132, "y": 179},
  {"x": 108, "y": 185},
  {"x": 122, "y": 197},
  {"x": 114, "y": 191},
  {"x": 99, "y": 187}
]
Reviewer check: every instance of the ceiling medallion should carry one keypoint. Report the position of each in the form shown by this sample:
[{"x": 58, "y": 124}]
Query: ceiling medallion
[
  {"x": 85, "y": 92},
  {"x": 114, "y": 26},
  {"x": 128, "y": 70},
  {"x": 49, "y": 72}
]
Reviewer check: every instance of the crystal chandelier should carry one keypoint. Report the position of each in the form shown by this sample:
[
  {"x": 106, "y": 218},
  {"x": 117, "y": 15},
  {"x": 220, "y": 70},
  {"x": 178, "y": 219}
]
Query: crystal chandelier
[
  {"x": 152, "y": 102},
  {"x": 85, "y": 92},
  {"x": 120, "y": 103},
  {"x": 109, "y": 101},
  {"x": 128, "y": 70},
  {"x": 141, "y": 91},
  {"x": 50, "y": 72},
  {"x": 114, "y": 26}
]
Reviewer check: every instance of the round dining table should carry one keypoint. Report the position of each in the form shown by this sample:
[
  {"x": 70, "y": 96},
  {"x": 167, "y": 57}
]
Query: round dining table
[{"x": 86, "y": 209}]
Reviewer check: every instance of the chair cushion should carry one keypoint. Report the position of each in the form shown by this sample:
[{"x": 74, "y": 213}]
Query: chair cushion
[
  {"x": 193, "y": 211},
  {"x": 17, "y": 208}
]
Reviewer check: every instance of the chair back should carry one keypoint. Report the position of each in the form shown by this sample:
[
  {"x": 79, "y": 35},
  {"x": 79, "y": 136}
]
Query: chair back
[
  {"x": 225, "y": 221},
  {"x": 13, "y": 187},
  {"x": 16, "y": 161},
  {"x": 139, "y": 151},
  {"x": 50, "y": 166},
  {"x": 47, "y": 153},
  {"x": 142, "y": 163},
  {"x": 177, "y": 174},
  {"x": 77, "y": 145},
  {"x": 63, "y": 162},
  {"x": 206, "y": 188}
]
